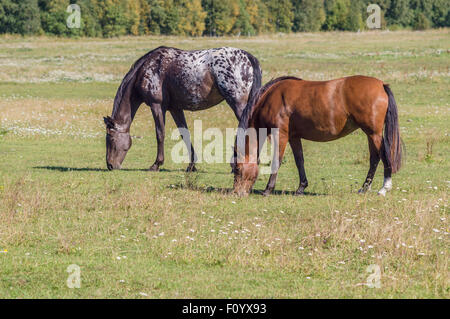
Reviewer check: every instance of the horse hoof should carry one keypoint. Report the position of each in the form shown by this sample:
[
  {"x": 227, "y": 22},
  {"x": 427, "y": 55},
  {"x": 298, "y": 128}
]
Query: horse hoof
[
  {"x": 154, "y": 168},
  {"x": 191, "y": 169},
  {"x": 382, "y": 192},
  {"x": 299, "y": 193},
  {"x": 366, "y": 187},
  {"x": 266, "y": 193}
]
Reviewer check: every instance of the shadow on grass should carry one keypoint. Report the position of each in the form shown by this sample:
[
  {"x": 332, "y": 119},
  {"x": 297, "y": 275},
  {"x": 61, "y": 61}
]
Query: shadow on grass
[
  {"x": 208, "y": 189},
  {"x": 93, "y": 169},
  {"x": 229, "y": 191},
  {"x": 291, "y": 193}
]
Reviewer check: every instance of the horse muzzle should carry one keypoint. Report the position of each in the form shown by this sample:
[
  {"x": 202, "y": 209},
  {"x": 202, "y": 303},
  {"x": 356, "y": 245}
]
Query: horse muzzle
[{"x": 112, "y": 167}]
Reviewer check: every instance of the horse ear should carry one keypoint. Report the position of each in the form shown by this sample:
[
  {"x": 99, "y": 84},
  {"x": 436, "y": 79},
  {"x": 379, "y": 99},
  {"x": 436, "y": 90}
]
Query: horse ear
[{"x": 109, "y": 122}]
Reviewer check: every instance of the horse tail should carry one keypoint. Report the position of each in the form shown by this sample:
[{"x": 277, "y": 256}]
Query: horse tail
[
  {"x": 130, "y": 77},
  {"x": 256, "y": 85},
  {"x": 392, "y": 144}
]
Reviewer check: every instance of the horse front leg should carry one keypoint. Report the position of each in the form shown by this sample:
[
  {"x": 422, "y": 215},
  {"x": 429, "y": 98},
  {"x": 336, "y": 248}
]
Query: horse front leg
[
  {"x": 280, "y": 142},
  {"x": 180, "y": 121},
  {"x": 159, "y": 115}
]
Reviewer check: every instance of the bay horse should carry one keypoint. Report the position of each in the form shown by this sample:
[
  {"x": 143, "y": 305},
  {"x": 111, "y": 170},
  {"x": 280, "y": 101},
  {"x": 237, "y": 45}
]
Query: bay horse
[
  {"x": 174, "y": 80},
  {"x": 319, "y": 111}
]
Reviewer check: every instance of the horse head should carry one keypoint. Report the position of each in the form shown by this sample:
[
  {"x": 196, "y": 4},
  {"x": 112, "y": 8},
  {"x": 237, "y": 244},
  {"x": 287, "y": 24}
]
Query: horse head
[
  {"x": 245, "y": 164},
  {"x": 118, "y": 142}
]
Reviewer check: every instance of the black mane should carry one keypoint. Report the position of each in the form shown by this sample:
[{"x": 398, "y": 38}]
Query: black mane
[{"x": 129, "y": 77}]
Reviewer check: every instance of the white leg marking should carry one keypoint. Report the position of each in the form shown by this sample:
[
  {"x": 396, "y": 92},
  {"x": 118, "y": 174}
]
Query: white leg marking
[{"x": 387, "y": 186}]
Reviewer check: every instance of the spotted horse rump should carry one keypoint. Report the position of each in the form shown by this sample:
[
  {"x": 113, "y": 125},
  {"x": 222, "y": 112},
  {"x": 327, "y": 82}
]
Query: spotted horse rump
[{"x": 174, "y": 80}]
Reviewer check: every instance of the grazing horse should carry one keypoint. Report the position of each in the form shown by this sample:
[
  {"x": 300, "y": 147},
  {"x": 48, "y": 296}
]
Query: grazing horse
[
  {"x": 319, "y": 111},
  {"x": 169, "y": 79}
]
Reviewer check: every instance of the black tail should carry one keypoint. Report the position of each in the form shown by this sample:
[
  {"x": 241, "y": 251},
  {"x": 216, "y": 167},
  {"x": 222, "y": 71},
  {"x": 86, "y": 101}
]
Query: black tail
[
  {"x": 256, "y": 85},
  {"x": 392, "y": 144}
]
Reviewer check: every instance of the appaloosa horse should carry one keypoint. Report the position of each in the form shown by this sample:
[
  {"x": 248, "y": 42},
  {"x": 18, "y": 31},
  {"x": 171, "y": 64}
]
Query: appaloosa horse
[
  {"x": 319, "y": 111},
  {"x": 169, "y": 79}
]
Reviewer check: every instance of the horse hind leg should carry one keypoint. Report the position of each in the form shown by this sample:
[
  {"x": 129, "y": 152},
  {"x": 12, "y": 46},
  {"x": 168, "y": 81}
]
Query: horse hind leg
[
  {"x": 297, "y": 150},
  {"x": 387, "y": 183},
  {"x": 236, "y": 96},
  {"x": 375, "y": 142},
  {"x": 180, "y": 121},
  {"x": 236, "y": 103}
]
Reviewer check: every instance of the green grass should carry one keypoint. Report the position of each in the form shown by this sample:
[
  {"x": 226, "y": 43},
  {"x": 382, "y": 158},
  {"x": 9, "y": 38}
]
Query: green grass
[{"x": 59, "y": 206}]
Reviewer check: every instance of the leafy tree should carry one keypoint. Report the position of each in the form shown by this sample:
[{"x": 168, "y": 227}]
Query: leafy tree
[
  {"x": 344, "y": 15},
  {"x": 421, "y": 22},
  {"x": 354, "y": 19},
  {"x": 337, "y": 12},
  {"x": 213, "y": 17},
  {"x": 423, "y": 6},
  {"x": 280, "y": 14},
  {"x": 221, "y": 16},
  {"x": 133, "y": 17},
  {"x": 144, "y": 17},
  {"x": 399, "y": 12},
  {"x": 441, "y": 13},
  {"x": 164, "y": 16},
  {"x": 29, "y": 17},
  {"x": 252, "y": 9},
  {"x": 8, "y": 13},
  {"x": 54, "y": 17},
  {"x": 422, "y": 14},
  {"x": 19, "y": 16},
  {"x": 309, "y": 15},
  {"x": 243, "y": 24},
  {"x": 157, "y": 16},
  {"x": 90, "y": 24},
  {"x": 172, "y": 18},
  {"x": 192, "y": 21},
  {"x": 258, "y": 16},
  {"x": 114, "y": 20}
]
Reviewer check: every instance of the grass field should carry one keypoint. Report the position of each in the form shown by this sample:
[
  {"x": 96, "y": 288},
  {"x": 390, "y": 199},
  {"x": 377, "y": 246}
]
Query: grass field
[{"x": 137, "y": 234}]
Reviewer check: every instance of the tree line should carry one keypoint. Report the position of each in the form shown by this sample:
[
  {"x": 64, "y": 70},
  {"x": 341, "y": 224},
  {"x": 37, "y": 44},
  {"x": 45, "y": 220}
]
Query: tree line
[{"x": 108, "y": 18}]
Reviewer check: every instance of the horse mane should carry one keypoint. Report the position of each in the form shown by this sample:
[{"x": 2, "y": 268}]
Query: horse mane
[
  {"x": 128, "y": 79},
  {"x": 246, "y": 114}
]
